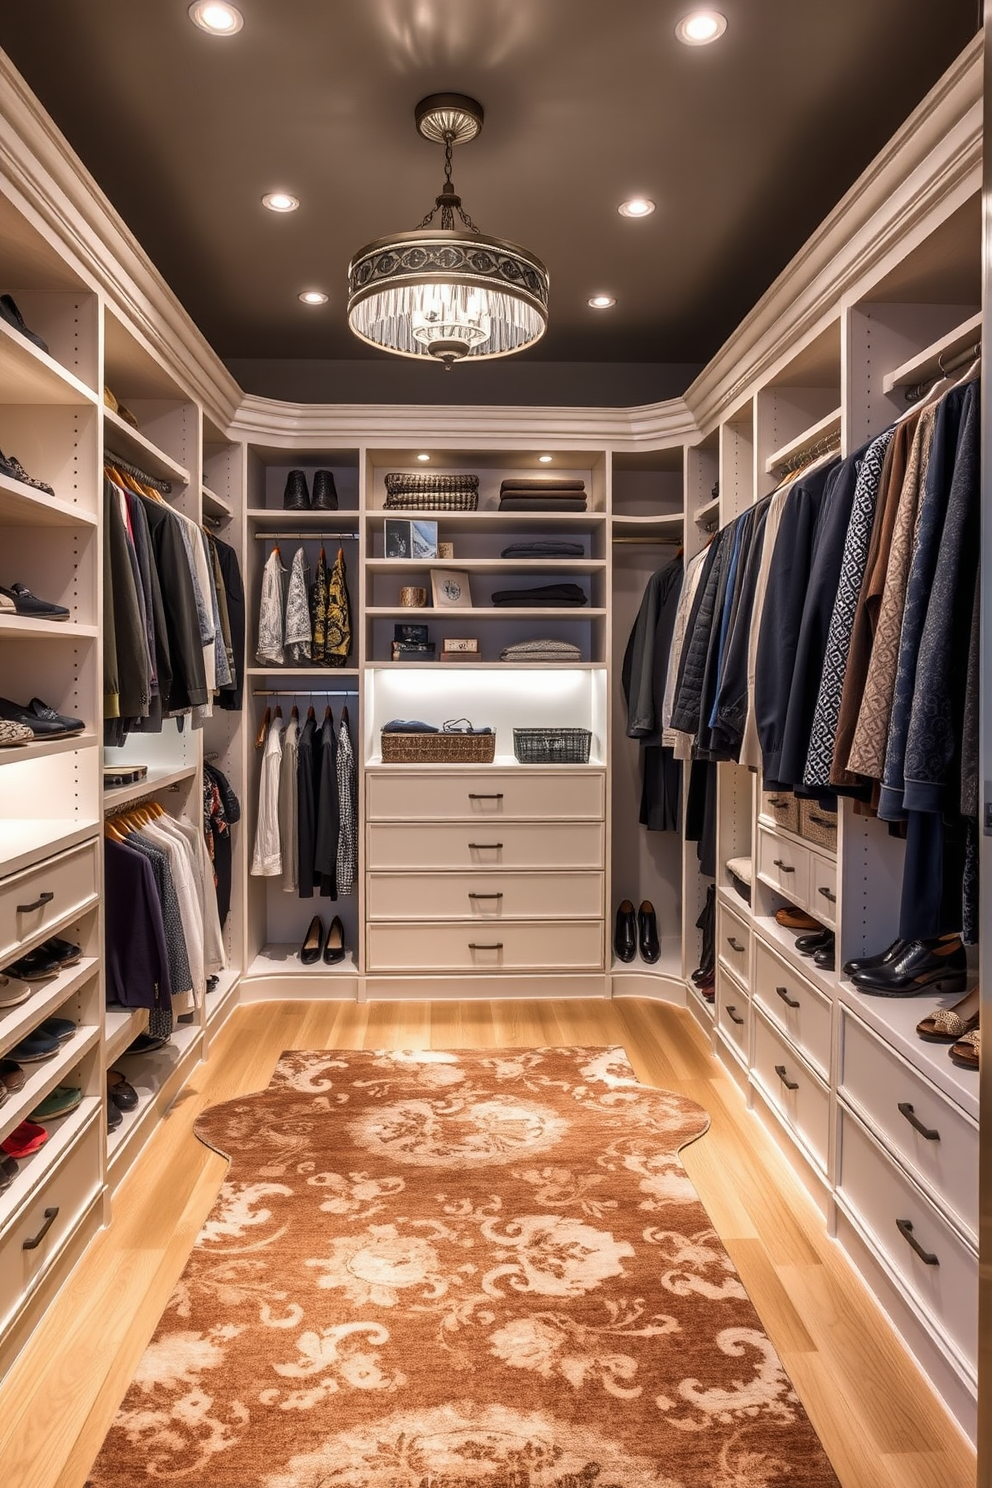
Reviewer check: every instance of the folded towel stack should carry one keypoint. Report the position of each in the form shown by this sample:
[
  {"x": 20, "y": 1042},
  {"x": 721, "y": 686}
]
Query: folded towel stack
[
  {"x": 430, "y": 491},
  {"x": 544, "y": 549},
  {"x": 554, "y": 493},
  {"x": 541, "y": 650},
  {"x": 545, "y": 596}
]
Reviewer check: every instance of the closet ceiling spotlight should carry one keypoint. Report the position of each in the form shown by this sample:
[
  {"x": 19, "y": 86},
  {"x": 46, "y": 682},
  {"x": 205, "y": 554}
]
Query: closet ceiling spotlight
[
  {"x": 638, "y": 206},
  {"x": 701, "y": 27},
  {"x": 216, "y": 16},
  {"x": 313, "y": 297},
  {"x": 280, "y": 201},
  {"x": 601, "y": 302},
  {"x": 447, "y": 293},
  {"x": 423, "y": 458},
  {"x": 545, "y": 459}
]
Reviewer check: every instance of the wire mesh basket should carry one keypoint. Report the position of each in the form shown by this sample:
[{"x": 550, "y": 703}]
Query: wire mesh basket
[{"x": 552, "y": 746}]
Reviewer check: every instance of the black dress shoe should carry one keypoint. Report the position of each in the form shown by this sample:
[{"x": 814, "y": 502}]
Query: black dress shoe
[
  {"x": 325, "y": 496},
  {"x": 119, "y": 1092},
  {"x": 41, "y": 710},
  {"x": 647, "y": 932},
  {"x": 921, "y": 964},
  {"x": 334, "y": 944},
  {"x": 41, "y": 728},
  {"x": 26, "y": 603},
  {"x": 310, "y": 949},
  {"x": 806, "y": 945},
  {"x": 625, "y": 934},
  {"x": 869, "y": 963},
  {"x": 10, "y": 313},
  {"x": 146, "y": 1043},
  {"x": 826, "y": 957},
  {"x": 114, "y": 1116},
  {"x": 296, "y": 496},
  {"x": 36, "y": 966}
]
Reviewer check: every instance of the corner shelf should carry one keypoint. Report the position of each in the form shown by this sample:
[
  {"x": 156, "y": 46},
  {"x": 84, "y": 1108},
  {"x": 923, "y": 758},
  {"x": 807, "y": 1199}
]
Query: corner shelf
[
  {"x": 131, "y": 444},
  {"x": 708, "y": 515},
  {"x": 278, "y": 960}
]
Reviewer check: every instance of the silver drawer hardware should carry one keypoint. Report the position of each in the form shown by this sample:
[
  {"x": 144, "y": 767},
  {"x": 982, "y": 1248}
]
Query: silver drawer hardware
[
  {"x": 734, "y": 945},
  {"x": 905, "y": 1228},
  {"x": 930, "y": 1132},
  {"x": 829, "y": 895},
  {"x": 50, "y": 1217},
  {"x": 492, "y": 945},
  {"x": 485, "y": 896},
  {"x": 783, "y": 1075},
  {"x": 783, "y": 992},
  {"x": 487, "y": 846},
  {"x": 732, "y": 1015},
  {"x": 492, "y": 796},
  {"x": 41, "y": 900},
  {"x": 783, "y": 867}
]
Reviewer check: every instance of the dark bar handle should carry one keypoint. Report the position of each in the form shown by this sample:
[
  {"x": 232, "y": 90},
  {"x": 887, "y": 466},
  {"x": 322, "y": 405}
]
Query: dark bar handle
[
  {"x": 478, "y": 945},
  {"x": 42, "y": 899},
  {"x": 488, "y": 846},
  {"x": 732, "y": 1015},
  {"x": 830, "y": 895},
  {"x": 777, "y": 801},
  {"x": 50, "y": 1217},
  {"x": 783, "y": 1075},
  {"x": 784, "y": 867},
  {"x": 930, "y": 1132},
  {"x": 734, "y": 945},
  {"x": 905, "y": 1228},
  {"x": 492, "y": 796},
  {"x": 783, "y": 992},
  {"x": 823, "y": 821},
  {"x": 485, "y": 896}
]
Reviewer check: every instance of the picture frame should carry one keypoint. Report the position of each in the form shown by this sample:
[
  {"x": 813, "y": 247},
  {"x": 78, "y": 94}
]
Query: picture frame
[
  {"x": 450, "y": 589},
  {"x": 423, "y": 539},
  {"x": 398, "y": 541}
]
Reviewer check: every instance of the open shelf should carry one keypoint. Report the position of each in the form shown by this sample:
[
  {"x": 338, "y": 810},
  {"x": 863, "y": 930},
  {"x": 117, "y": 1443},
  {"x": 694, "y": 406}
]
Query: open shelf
[
  {"x": 707, "y": 515},
  {"x": 926, "y": 363},
  {"x": 17, "y": 1022},
  {"x": 668, "y": 964},
  {"x": 159, "y": 777},
  {"x": 43, "y": 1076},
  {"x": 156, "y": 1077},
  {"x": 23, "y": 628},
  {"x": 824, "y": 428},
  {"x": 523, "y": 566},
  {"x": 331, "y": 523},
  {"x": 328, "y": 673},
  {"x": 496, "y": 612},
  {"x": 223, "y": 995},
  {"x": 30, "y": 375},
  {"x": 24, "y": 841},
  {"x": 660, "y": 524},
  {"x": 513, "y": 522},
  {"x": 214, "y": 505},
  {"x": 18, "y": 753},
  {"x": 122, "y": 1025},
  {"x": 277, "y": 960},
  {"x": 131, "y": 444},
  {"x": 22, "y": 505}
]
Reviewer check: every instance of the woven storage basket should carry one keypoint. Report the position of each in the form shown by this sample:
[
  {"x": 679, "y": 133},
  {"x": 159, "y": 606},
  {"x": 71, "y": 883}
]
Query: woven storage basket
[
  {"x": 552, "y": 746},
  {"x": 433, "y": 501},
  {"x": 783, "y": 809},
  {"x": 402, "y": 483},
  {"x": 817, "y": 825},
  {"x": 438, "y": 749}
]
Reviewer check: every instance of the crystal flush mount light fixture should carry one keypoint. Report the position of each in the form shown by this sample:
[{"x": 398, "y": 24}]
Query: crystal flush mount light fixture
[
  {"x": 447, "y": 293},
  {"x": 216, "y": 17}
]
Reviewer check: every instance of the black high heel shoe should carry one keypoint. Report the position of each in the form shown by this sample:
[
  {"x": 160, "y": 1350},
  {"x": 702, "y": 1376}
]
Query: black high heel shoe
[
  {"x": 647, "y": 932},
  {"x": 334, "y": 944},
  {"x": 310, "y": 949},
  {"x": 625, "y": 933}
]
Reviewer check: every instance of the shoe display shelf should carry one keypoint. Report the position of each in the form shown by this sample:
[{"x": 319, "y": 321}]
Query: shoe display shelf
[{"x": 157, "y": 1077}]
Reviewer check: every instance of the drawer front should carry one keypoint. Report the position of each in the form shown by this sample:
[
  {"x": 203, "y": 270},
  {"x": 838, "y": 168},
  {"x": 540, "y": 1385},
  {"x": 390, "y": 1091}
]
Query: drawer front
[
  {"x": 896, "y": 1100},
  {"x": 817, "y": 825},
  {"x": 823, "y": 890},
  {"x": 486, "y": 845},
  {"x": 800, "y": 1098},
  {"x": 40, "y": 896},
  {"x": 781, "y": 807},
  {"x": 485, "y": 796},
  {"x": 733, "y": 1012},
  {"x": 733, "y": 940},
  {"x": 784, "y": 865},
  {"x": 945, "y": 1278},
  {"x": 509, "y": 946},
  {"x": 484, "y": 896},
  {"x": 70, "y": 1188},
  {"x": 802, "y": 1011}
]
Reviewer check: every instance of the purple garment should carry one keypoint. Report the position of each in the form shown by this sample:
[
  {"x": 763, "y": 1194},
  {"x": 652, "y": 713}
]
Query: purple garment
[{"x": 137, "y": 958}]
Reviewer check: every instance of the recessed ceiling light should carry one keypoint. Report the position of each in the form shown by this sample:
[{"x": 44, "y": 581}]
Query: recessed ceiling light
[
  {"x": 280, "y": 201},
  {"x": 545, "y": 459},
  {"x": 217, "y": 17},
  {"x": 601, "y": 302},
  {"x": 638, "y": 206},
  {"x": 423, "y": 457},
  {"x": 313, "y": 297},
  {"x": 701, "y": 27}
]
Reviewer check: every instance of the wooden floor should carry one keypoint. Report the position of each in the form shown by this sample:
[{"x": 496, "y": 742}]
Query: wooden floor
[{"x": 876, "y": 1416}]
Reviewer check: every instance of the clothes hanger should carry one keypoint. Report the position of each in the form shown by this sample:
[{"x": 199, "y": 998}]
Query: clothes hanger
[
  {"x": 294, "y": 714},
  {"x": 110, "y": 830},
  {"x": 277, "y": 713},
  {"x": 311, "y": 714},
  {"x": 263, "y": 728},
  {"x": 345, "y": 717},
  {"x": 327, "y": 712}
]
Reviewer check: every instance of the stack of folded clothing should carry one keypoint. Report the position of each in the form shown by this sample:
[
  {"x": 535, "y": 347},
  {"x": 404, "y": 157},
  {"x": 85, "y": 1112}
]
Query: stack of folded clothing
[
  {"x": 545, "y": 596},
  {"x": 544, "y": 548},
  {"x": 553, "y": 493},
  {"x": 428, "y": 491},
  {"x": 541, "y": 650}
]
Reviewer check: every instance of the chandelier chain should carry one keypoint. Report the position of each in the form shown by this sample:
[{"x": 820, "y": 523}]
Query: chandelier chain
[{"x": 448, "y": 201}]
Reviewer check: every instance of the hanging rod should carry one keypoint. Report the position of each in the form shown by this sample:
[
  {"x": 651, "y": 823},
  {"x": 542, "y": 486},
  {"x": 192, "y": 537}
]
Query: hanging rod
[
  {"x": 109, "y": 458},
  {"x": 944, "y": 369},
  {"x": 661, "y": 542},
  {"x": 120, "y": 808},
  {"x": 209, "y": 520},
  {"x": 309, "y": 536},
  {"x": 811, "y": 453},
  {"x": 306, "y": 692}
]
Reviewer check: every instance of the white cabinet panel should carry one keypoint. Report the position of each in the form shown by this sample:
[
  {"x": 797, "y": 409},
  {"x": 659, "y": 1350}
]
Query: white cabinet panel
[
  {"x": 510, "y": 946},
  {"x": 403, "y": 795},
  {"x": 801, "y": 1010},
  {"x": 486, "y": 845},
  {"x": 484, "y": 896}
]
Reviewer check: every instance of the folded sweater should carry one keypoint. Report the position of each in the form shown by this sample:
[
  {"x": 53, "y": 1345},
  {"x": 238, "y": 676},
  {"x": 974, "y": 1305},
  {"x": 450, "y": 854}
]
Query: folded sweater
[{"x": 544, "y": 595}]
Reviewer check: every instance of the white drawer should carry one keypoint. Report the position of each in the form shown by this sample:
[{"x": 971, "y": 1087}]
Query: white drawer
[
  {"x": 886, "y": 1201},
  {"x": 42, "y": 895},
  {"x": 823, "y": 890},
  {"x": 509, "y": 946},
  {"x": 70, "y": 1188},
  {"x": 486, "y": 845},
  {"x": 733, "y": 943},
  {"x": 733, "y": 1012},
  {"x": 796, "y": 1093},
  {"x": 485, "y": 796},
  {"x": 893, "y": 1098},
  {"x": 801, "y": 1010},
  {"x": 784, "y": 865},
  {"x": 484, "y": 896}
]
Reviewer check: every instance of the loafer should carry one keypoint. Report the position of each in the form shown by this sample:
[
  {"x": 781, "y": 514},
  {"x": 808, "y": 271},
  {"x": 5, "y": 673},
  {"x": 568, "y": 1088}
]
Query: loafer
[
  {"x": 920, "y": 965},
  {"x": 825, "y": 958},
  {"x": 312, "y": 942},
  {"x": 868, "y": 963},
  {"x": 41, "y": 710},
  {"x": 62, "y": 1029},
  {"x": 26, "y": 603},
  {"x": 796, "y": 919},
  {"x": 10, "y": 313},
  {"x": 24, "y": 1139},
  {"x": 334, "y": 944},
  {"x": 16, "y": 469},
  {"x": 647, "y": 933},
  {"x": 62, "y": 951},
  {"x": 325, "y": 496},
  {"x": 13, "y": 991},
  {"x": 39, "y": 728},
  {"x": 296, "y": 496},
  {"x": 14, "y": 735},
  {"x": 58, "y": 1102},
  {"x": 37, "y": 966},
  {"x": 114, "y": 1116},
  {"x": 120, "y": 1092},
  {"x": 12, "y": 1075},
  {"x": 146, "y": 1043},
  {"x": 625, "y": 932},
  {"x": 34, "y": 1048}
]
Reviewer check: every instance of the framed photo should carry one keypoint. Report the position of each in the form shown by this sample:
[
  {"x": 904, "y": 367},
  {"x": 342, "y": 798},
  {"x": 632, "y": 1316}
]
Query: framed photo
[
  {"x": 423, "y": 539},
  {"x": 399, "y": 538},
  {"x": 450, "y": 590}
]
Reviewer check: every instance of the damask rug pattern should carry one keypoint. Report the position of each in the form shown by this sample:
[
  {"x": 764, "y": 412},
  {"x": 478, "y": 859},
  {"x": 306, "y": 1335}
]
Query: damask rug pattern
[{"x": 459, "y": 1270}]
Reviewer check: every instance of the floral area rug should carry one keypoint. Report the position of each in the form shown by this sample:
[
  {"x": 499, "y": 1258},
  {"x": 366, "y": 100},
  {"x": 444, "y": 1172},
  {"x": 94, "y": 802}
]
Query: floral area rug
[{"x": 459, "y": 1270}]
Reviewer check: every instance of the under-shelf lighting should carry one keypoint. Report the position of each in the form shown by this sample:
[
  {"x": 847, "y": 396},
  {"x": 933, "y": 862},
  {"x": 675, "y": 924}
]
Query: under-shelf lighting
[
  {"x": 216, "y": 17},
  {"x": 423, "y": 458},
  {"x": 701, "y": 27},
  {"x": 545, "y": 459},
  {"x": 280, "y": 201}
]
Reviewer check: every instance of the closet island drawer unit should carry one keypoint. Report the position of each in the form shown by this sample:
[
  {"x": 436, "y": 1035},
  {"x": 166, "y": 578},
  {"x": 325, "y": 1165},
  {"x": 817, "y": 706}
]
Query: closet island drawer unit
[
  {"x": 537, "y": 945},
  {"x": 799, "y": 1096},
  {"x": 39, "y": 897},
  {"x": 427, "y": 844},
  {"x": 733, "y": 944},
  {"x": 484, "y": 896},
  {"x": 800, "y": 1010},
  {"x": 475, "y": 796},
  {"x": 733, "y": 1014},
  {"x": 784, "y": 865}
]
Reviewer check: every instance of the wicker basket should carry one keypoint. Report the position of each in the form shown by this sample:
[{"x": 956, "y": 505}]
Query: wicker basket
[
  {"x": 400, "y": 482},
  {"x": 783, "y": 809},
  {"x": 438, "y": 749},
  {"x": 433, "y": 501},
  {"x": 552, "y": 746},
  {"x": 817, "y": 825}
]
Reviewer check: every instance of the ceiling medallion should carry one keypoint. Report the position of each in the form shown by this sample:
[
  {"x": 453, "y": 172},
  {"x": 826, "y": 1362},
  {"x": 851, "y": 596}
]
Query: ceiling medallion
[{"x": 448, "y": 293}]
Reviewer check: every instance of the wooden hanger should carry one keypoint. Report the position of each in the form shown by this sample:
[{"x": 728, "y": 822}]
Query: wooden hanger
[
  {"x": 311, "y": 714},
  {"x": 278, "y": 712},
  {"x": 294, "y": 714},
  {"x": 110, "y": 830},
  {"x": 263, "y": 728}
]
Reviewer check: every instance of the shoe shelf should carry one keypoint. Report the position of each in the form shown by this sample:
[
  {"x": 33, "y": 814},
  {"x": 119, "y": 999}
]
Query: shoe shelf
[
  {"x": 220, "y": 1001},
  {"x": 668, "y": 964},
  {"x": 63, "y": 1133},
  {"x": 131, "y": 444},
  {"x": 895, "y": 1020},
  {"x": 156, "y": 1077},
  {"x": 19, "y": 753},
  {"x": 29, "y": 375},
  {"x": 23, "y": 842},
  {"x": 704, "y": 1010},
  {"x": 214, "y": 505},
  {"x": 21, "y": 627},
  {"x": 927, "y": 362},
  {"x": 43, "y": 1077},
  {"x": 784, "y": 942},
  {"x": 121, "y": 1027},
  {"x": 17, "y": 1022},
  {"x": 22, "y": 505},
  {"x": 280, "y": 960},
  {"x": 159, "y": 777},
  {"x": 708, "y": 515}
]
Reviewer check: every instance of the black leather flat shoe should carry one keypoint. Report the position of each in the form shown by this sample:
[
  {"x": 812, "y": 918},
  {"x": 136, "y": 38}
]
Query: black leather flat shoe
[
  {"x": 825, "y": 958},
  {"x": 296, "y": 496},
  {"x": 921, "y": 964},
  {"x": 647, "y": 932},
  {"x": 310, "y": 949},
  {"x": 806, "y": 945},
  {"x": 625, "y": 933},
  {"x": 334, "y": 944},
  {"x": 325, "y": 495},
  {"x": 26, "y": 603},
  {"x": 869, "y": 963}
]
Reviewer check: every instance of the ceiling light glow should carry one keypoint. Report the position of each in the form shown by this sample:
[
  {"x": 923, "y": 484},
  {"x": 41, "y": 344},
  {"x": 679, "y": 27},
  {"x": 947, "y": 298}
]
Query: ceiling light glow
[
  {"x": 423, "y": 457},
  {"x": 216, "y": 17},
  {"x": 313, "y": 297},
  {"x": 280, "y": 201},
  {"x": 545, "y": 459},
  {"x": 638, "y": 206},
  {"x": 701, "y": 27},
  {"x": 601, "y": 302}
]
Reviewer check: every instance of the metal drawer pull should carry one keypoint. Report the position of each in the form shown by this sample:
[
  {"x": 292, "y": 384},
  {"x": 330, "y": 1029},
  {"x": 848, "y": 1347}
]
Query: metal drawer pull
[
  {"x": 829, "y": 894},
  {"x": 905, "y": 1228},
  {"x": 783, "y": 992},
  {"x": 478, "y": 945},
  {"x": 783, "y": 1075},
  {"x": 42, "y": 899},
  {"x": 734, "y": 945},
  {"x": 494, "y": 796},
  {"x": 487, "y": 846},
  {"x": 930, "y": 1132},
  {"x": 50, "y": 1217},
  {"x": 785, "y": 867},
  {"x": 732, "y": 1015},
  {"x": 486, "y": 896}
]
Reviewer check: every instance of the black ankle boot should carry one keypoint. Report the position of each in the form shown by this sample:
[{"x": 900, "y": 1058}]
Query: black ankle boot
[
  {"x": 625, "y": 934},
  {"x": 296, "y": 496},
  {"x": 647, "y": 932}
]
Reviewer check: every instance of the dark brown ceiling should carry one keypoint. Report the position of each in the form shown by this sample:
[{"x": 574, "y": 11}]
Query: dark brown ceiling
[{"x": 745, "y": 145}]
